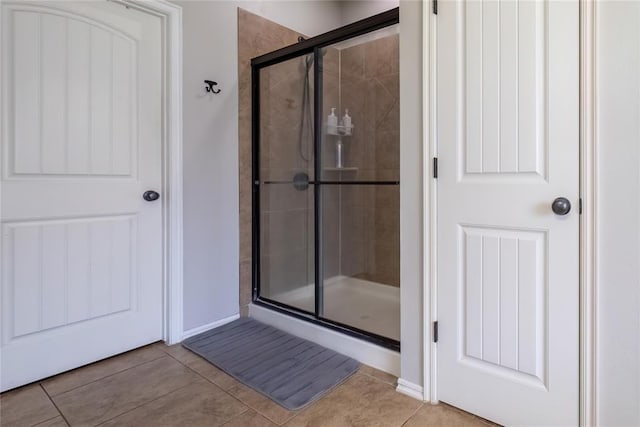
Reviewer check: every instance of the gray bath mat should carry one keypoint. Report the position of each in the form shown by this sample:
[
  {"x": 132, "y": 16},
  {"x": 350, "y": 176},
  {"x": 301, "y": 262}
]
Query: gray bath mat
[{"x": 290, "y": 370}]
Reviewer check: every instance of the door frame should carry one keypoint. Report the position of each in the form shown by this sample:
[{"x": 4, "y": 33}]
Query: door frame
[
  {"x": 172, "y": 167},
  {"x": 588, "y": 218},
  {"x": 172, "y": 242}
]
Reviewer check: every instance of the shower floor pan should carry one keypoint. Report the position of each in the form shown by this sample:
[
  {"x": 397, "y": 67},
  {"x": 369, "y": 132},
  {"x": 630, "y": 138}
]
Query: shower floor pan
[{"x": 369, "y": 306}]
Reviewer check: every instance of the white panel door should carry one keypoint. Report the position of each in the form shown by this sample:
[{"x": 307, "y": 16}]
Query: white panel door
[
  {"x": 82, "y": 127},
  {"x": 508, "y": 141}
]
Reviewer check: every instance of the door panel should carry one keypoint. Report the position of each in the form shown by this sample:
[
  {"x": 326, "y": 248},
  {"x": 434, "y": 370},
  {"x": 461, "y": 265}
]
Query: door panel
[
  {"x": 507, "y": 106},
  {"x": 503, "y": 294},
  {"x": 64, "y": 73},
  {"x": 81, "y": 250},
  {"x": 503, "y": 80},
  {"x": 51, "y": 283}
]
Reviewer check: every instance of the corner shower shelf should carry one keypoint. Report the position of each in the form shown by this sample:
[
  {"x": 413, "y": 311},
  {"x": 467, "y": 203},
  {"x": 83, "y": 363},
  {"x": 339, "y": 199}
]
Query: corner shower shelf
[
  {"x": 341, "y": 130},
  {"x": 343, "y": 169}
]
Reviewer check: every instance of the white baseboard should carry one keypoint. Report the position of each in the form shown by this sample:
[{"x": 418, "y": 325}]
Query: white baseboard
[
  {"x": 410, "y": 389},
  {"x": 208, "y": 326},
  {"x": 370, "y": 354}
]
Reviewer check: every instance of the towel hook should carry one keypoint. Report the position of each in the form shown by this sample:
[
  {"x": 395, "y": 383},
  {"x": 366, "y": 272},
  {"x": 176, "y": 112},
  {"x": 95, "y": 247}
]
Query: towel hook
[{"x": 210, "y": 85}]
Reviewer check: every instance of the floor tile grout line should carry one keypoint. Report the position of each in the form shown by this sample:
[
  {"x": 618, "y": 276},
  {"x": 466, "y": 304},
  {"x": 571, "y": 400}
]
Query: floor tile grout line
[
  {"x": 258, "y": 411},
  {"x": 334, "y": 390},
  {"x": 223, "y": 390},
  {"x": 326, "y": 395},
  {"x": 180, "y": 361},
  {"x": 54, "y": 405},
  {"x": 165, "y": 353},
  {"x": 465, "y": 413},
  {"x": 49, "y": 419},
  {"x": 115, "y": 356},
  {"x": 297, "y": 413},
  {"x": 143, "y": 404},
  {"x": 246, "y": 404},
  {"x": 44, "y": 380},
  {"x": 461, "y": 412},
  {"x": 413, "y": 414},
  {"x": 110, "y": 375},
  {"x": 379, "y": 379},
  {"x": 239, "y": 415},
  {"x": 102, "y": 378}
]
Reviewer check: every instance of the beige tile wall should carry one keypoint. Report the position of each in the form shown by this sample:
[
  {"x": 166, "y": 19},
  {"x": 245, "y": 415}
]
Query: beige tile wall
[
  {"x": 370, "y": 216},
  {"x": 330, "y": 194},
  {"x": 257, "y": 36}
]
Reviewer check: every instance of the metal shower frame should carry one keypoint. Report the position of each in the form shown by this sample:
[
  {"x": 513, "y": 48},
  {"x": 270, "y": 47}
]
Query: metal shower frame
[{"x": 305, "y": 47}]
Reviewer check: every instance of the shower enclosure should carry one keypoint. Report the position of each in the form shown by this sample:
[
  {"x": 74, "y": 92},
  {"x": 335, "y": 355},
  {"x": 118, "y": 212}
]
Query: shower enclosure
[{"x": 325, "y": 116}]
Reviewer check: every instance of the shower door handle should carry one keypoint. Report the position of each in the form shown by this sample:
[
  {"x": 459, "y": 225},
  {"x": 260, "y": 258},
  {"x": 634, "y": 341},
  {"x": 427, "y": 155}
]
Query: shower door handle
[{"x": 301, "y": 181}]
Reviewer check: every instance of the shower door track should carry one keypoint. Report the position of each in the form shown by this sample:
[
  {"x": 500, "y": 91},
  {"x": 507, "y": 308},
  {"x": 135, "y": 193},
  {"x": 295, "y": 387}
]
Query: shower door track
[{"x": 306, "y": 47}]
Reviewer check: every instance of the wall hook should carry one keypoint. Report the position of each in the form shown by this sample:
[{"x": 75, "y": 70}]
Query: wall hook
[{"x": 210, "y": 85}]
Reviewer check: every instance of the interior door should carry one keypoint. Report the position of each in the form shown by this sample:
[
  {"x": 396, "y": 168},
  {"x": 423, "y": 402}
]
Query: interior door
[
  {"x": 81, "y": 143},
  {"x": 508, "y": 146}
]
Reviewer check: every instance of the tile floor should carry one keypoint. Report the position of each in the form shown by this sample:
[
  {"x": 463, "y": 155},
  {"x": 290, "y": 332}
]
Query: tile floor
[{"x": 159, "y": 385}]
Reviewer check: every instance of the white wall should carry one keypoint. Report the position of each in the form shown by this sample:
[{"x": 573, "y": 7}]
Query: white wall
[
  {"x": 211, "y": 144},
  {"x": 618, "y": 139},
  {"x": 411, "y": 146},
  {"x": 354, "y": 10}
]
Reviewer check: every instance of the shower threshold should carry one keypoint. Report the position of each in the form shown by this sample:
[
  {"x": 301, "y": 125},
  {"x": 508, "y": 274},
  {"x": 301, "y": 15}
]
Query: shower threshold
[{"x": 365, "y": 305}]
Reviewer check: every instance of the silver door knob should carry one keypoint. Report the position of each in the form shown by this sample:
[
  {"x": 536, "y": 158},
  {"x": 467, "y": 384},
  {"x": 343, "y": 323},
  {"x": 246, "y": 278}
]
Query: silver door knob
[
  {"x": 151, "y": 196},
  {"x": 561, "y": 206}
]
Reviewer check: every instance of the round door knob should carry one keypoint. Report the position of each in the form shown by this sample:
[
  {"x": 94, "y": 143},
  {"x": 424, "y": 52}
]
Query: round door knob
[
  {"x": 151, "y": 196},
  {"x": 561, "y": 206}
]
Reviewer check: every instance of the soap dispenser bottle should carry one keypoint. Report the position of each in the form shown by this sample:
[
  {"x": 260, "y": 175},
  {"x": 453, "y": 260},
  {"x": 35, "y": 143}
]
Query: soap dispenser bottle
[
  {"x": 346, "y": 122},
  {"x": 332, "y": 122}
]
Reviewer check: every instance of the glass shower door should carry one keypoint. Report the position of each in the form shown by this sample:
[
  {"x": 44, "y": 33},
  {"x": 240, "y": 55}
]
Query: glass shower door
[
  {"x": 286, "y": 167},
  {"x": 326, "y": 180},
  {"x": 360, "y": 170}
]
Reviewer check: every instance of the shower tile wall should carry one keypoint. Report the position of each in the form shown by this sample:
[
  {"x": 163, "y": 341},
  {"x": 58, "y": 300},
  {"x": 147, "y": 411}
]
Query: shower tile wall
[
  {"x": 330, "y": 194},
  {"x": 370, "y": 216},
  {"x": 256, "y": 36}
]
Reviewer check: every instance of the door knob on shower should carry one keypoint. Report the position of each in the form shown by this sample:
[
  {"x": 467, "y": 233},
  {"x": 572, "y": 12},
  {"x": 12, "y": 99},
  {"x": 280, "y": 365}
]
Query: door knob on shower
[
  {"x": 561, "y": 206},
  {"x": 301, "y": 181}
]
